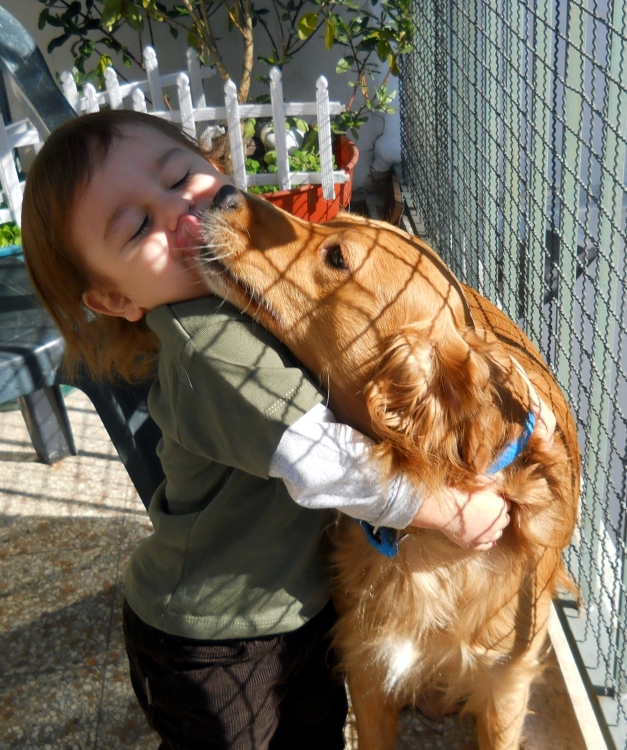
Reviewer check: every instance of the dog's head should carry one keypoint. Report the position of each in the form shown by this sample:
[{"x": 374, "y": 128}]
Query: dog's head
[{"x": 381, "y": 321}]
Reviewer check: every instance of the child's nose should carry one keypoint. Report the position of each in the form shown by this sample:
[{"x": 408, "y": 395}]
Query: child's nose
[{"x": 174, "y": 206}]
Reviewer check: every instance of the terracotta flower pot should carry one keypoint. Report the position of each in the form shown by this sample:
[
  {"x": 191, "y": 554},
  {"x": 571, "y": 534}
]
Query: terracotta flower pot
[{"x": 306, "y": 202}]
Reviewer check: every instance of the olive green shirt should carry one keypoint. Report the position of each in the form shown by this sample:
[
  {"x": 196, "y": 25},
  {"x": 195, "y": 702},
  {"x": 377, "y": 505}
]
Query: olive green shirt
[{"x": 231, "y": 555}]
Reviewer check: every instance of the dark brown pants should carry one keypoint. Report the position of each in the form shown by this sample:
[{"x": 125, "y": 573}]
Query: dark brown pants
[{"x": 273, "y": 693}]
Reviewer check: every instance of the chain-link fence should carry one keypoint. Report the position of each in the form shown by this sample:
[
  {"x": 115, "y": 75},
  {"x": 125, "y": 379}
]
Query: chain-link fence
[{"x": 514, "y": 118}]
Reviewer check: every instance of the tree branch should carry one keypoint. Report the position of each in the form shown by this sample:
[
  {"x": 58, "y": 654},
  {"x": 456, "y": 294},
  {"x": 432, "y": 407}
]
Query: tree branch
[
  {"x": 233, "y": 16},
  {"x": 248, "y": 61},
  {"x": 269, "y": 35},
  {"x": 209, "y": 40}
]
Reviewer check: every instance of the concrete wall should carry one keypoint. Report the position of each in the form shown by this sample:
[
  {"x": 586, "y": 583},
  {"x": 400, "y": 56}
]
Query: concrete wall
[{"x": 379, "y": 141}]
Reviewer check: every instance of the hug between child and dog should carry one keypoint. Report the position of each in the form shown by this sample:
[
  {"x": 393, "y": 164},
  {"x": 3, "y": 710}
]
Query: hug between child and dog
[{"x": 300, "y": 369}]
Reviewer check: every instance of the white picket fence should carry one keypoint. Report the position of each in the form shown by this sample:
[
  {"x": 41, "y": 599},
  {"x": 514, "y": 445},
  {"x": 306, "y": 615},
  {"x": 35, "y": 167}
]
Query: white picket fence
[
  {"x": 195, "y": 117},
  {"x": 13, "y": 136},
  {"x": 193, "y": 111}
]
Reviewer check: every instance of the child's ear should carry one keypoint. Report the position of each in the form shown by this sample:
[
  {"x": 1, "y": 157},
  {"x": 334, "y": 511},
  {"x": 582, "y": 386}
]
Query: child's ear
[{"x": 113, "y": 303}]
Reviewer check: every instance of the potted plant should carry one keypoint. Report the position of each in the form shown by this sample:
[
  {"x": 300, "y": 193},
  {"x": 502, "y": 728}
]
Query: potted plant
[
  {"x": 306, "y": 201},
  {"x": 367, "y": 38}
]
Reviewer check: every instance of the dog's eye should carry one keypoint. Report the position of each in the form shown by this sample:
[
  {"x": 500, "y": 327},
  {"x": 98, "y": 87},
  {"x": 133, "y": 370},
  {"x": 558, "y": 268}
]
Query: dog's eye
[{"x": 335, "y": 257}]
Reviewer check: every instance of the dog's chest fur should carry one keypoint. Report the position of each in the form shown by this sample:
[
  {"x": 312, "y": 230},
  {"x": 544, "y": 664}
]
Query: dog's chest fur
[{"x": 431, "y": 617}]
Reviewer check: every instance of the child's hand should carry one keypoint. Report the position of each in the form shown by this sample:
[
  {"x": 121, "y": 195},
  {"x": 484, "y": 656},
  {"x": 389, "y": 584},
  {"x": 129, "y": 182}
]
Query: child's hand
[{"x": 475, "y": 519}]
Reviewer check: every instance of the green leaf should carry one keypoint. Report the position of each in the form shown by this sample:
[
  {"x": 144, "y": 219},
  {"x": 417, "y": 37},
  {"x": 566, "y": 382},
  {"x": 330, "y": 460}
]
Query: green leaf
[
  {"x": 104, "y": 63},
  {"x": 111, "y": 14},
  {"x": 58, "y": 41},
  {"x": 249, "y": 127},
  {"x": 310, "y": 143},
  {"x": 329, "y": 34},
  {"x": 178, "y": 11},
  {"x": 261, "y": 189},
  {"x": 193, "y": 40},
  {"x": 56, "y": 22},
  {"x": 252, "y": 165},
  {"x": 307, "y": 25},
  {"x": 86, "y": 48},
  {"x": 43, "y": 18},
  {"x": 345, "y": 64},
  {"x": 134, "y": 19},
  {"x": 10, "y": 234},
  {"x": 383, "y": 50},
  {"x": 270, "y": 157},
  {"x": 298, "y": 123}
]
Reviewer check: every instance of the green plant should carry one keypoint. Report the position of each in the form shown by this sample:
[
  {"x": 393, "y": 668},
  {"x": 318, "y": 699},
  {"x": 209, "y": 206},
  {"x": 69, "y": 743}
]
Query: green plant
[
  {"x": 300, "y": 161},
  {"x": 10, "y": 234},
  {"x": 371, "y": 35}
]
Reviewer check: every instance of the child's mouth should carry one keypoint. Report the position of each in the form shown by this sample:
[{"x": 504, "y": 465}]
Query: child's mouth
[{"x": 189, "y": 237}]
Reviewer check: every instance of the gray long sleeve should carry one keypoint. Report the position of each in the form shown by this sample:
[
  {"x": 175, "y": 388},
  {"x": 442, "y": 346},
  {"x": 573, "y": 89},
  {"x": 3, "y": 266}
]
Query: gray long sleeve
[{"x": 325, "y": 464}]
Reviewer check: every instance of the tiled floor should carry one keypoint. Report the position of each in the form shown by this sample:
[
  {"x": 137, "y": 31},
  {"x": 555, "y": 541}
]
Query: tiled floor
[{"x": 66, "y": 532}]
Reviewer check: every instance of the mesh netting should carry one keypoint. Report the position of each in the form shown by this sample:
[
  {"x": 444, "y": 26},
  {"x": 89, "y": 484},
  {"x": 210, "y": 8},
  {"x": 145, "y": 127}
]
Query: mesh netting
[{"x": 514, "y": 117}]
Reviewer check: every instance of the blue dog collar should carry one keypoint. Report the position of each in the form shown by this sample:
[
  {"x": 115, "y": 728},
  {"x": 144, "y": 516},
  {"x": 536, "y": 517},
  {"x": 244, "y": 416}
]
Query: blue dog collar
[
  {"x": 512, "y": 450},
  {"x": 385, "y": 540}
]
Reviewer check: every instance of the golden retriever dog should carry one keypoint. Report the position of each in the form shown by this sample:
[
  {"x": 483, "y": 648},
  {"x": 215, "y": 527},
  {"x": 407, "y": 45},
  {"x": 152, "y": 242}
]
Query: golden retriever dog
[{"x": 422, "y": 364}]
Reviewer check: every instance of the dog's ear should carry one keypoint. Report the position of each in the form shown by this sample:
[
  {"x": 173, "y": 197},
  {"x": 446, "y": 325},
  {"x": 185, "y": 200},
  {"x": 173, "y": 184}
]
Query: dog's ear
[{"x": 448, "y": 401}]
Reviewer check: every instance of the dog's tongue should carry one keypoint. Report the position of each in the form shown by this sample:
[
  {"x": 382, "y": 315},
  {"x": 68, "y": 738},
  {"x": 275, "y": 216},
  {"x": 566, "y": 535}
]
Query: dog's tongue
[{"x": 189, "y": 235}]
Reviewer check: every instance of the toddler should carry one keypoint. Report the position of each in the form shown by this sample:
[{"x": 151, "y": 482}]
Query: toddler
[{"x": 227, "y": 612}]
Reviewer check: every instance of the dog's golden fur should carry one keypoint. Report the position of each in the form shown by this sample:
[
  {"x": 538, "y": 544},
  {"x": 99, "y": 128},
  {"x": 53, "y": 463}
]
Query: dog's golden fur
[{"x": 423, "y": 365}]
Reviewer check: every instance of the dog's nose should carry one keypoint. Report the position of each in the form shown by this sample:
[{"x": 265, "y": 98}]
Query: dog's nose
[{"x": 227, "y": 198}]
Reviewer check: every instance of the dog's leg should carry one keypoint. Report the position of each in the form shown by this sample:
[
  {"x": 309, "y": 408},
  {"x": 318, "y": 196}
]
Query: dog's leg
[
  {"x": 500, "y": 705},
  {"x": 376, "y": 718},
  {"x": 500, "y": 720}
]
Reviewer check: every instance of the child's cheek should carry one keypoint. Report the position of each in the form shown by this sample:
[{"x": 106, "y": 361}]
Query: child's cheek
[{"x": 154, "y": 256}]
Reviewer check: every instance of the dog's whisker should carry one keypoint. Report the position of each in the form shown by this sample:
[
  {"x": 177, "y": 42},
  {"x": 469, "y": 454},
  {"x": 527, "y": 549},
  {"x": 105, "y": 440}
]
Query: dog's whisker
[{"x": 209, "y": 256}]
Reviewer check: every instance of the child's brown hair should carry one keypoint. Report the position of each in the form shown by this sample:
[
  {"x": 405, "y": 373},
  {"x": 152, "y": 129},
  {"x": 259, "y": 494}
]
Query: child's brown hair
[{"x": 107, "y": 347}]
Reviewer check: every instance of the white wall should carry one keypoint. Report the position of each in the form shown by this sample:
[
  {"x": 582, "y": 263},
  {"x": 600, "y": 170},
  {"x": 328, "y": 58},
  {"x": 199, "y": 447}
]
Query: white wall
[{"x": 379, "y": 140}]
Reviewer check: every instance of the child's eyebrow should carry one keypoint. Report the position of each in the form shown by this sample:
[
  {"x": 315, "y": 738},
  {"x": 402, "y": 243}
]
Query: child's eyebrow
[
  {"x": 165, "y": 158},
  {"x": 160, "y": 163}
]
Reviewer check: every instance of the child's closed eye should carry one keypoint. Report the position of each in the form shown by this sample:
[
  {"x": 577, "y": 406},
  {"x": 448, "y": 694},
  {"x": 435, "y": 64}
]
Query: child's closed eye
[
  {"x": 143, "y": 228},
  {"x": 182, "y": 182}
]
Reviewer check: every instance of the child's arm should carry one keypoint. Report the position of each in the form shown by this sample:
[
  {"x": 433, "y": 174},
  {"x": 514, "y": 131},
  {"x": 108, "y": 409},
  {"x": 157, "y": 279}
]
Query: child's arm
[{"x": 325, "y": 464}]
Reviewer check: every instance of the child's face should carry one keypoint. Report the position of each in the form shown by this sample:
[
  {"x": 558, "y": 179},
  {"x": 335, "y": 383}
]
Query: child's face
[{"x": 136, "y": 224}]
